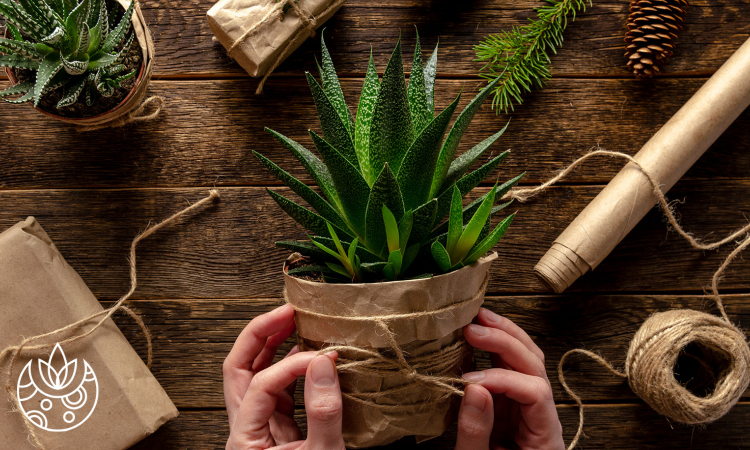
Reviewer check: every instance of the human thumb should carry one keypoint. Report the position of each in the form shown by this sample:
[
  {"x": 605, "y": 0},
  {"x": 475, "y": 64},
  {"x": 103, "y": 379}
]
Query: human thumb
[{"x": 323, "y": 405}]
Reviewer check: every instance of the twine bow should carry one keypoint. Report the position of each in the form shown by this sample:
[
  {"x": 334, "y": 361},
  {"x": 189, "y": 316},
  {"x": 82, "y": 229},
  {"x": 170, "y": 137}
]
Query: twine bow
[
  {"x": 15, "y": 350},
  {"x": 310, "y": 24}
]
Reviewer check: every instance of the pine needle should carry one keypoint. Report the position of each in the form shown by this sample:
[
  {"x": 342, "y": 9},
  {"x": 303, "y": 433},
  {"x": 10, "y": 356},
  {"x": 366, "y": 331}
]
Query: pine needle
[{"x": 521, "y": 56}]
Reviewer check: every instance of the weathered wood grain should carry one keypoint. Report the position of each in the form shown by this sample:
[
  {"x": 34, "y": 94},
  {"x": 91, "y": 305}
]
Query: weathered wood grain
[
  {"x": 612, "y": 427},
  {"x": 227, "y": 250},
  {"x": 593, "y": 44},
  {"x": 207, "y": 132},
  {"x": 192, "y": 338}
]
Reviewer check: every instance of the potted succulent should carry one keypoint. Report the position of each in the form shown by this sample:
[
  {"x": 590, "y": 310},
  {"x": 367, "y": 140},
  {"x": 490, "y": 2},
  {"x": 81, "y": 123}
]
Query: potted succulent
[
  {"x": 397, "y": 264},
  {"x": 86, "y": 62}
]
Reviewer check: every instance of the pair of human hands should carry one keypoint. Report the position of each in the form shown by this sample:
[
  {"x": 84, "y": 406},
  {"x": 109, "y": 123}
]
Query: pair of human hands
[{"x": 508, "y": 406}]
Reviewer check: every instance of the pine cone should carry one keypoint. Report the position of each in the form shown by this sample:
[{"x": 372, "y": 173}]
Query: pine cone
[{"x": 652, "y": 30}]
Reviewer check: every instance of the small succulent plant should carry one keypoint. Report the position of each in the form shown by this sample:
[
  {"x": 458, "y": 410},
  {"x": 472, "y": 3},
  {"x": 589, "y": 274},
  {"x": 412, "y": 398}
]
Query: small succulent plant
[
  {"x": 72, "y": 46},
  {"x": 388, "y": 179}
]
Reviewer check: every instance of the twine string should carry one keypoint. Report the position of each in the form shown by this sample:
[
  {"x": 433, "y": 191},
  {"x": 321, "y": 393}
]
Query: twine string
[
  {"x": 309, "y": 21},
  {"x": 103, "y": 316},
  {"x": 425, "y": 370},
  {"x": 655, "y": 347}
]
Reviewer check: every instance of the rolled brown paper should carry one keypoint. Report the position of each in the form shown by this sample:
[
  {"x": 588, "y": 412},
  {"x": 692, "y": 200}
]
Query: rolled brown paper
[{"x": 666, "y": 156}]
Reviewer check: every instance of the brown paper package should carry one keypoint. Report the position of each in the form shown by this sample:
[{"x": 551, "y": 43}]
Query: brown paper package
[
  {"x": 666, "y": 156},
  {"x": 365, "y": 425},
  {"x": 230, "y": 19},
  {"x": 40, "y": 292}
]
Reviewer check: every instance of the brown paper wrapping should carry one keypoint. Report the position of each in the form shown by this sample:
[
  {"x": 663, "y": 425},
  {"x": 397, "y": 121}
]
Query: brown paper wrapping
[
  {"x": 419, "y": 415},
  {"x": 274, "y": 40},
  {"x": 40, "y": 292},
  {"x": 666, "y": 156}
]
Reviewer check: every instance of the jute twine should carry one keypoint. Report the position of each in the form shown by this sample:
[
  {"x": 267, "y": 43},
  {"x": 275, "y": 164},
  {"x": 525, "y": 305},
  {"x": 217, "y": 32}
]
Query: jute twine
[
  {"x": 427, "y": 370},
  {"x": 310, "y": 23},
  {"x": 27, "y": 345},
  {"x": 653, "y": 352}
]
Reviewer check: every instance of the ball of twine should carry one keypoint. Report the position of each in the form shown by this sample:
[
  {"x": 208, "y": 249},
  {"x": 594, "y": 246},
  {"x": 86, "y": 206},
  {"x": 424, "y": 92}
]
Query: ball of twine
[{"x": 655, "y": 349}]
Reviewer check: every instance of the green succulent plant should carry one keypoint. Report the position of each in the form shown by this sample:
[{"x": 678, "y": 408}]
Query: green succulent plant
[
  {"x": 72, "y": 46},
  {"x": 388, "y": 177}
]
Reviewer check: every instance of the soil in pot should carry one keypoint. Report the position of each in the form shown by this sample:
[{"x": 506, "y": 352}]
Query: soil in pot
[{"x": 133, "y": 60}]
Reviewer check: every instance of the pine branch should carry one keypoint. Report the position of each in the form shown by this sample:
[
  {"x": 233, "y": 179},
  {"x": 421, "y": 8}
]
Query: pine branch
[{"x": 521, "y": 56}]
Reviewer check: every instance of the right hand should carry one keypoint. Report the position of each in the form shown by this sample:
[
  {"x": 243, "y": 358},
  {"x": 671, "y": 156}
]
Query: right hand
[
  {"x": 511, "y": 405},
  {"x": 260, "y": 395}
]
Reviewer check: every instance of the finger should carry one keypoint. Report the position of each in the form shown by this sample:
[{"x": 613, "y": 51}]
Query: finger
[
  {"x": 266, "y": 356},
  {"x": 534, "y": 395},
  {"x": 490, "y": 319},
  {"x": 323, "y": 406},
  {"x": 475, "y": 419},
  {"x": 259, "y": 402},
  {"x": 284, "y": 429},
  {"x": 237, "y": 366},
  {"x": 510, "y": 350}
]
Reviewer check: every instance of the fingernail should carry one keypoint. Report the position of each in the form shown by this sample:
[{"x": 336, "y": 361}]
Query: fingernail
[
  {"x": 474, "y": 401},
  {"x": 474, "y": 376},
  {"x": 479, "y": 330},
  {"x": 490, "y": 316},
  {"x": 322, "y": 372}
]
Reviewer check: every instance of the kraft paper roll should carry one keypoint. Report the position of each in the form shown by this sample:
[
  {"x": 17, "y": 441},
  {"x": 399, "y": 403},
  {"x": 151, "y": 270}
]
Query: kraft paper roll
[{"x": 666, "y": 156}]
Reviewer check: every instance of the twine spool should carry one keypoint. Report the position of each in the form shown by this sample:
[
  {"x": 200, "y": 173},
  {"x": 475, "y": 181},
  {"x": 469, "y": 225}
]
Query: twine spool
[{"x": 654, "y": 352}]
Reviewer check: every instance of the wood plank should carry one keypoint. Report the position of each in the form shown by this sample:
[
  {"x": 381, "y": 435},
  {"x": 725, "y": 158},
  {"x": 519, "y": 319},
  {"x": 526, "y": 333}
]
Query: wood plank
[
  {"x": 209, "y": 128},
  {"x": 227, "y": 251},
  {"x": 614, "y": 427},
  {"x": 192, "y": 338},
  {"x": 593, "y": 44}
]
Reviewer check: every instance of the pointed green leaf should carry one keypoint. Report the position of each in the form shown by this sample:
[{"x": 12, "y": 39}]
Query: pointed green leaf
[
  {"x": 318, "y": 203},
  {"x": 455, "y": 221},
  {"x": 26, "y": 49},
  {"x": 13, "y": 30},
  {"x": 48, "y": 68},
  {"x": 375, "y": 268},
  {"x": 333, "y": 90},
  {"x": 14, "y": 14},
  {"x": 339, "y": 269},
  {"x": 391, "y": 231},
  {"x": 472, "y": 230},
  {"x": 404, "y": 229},
  {"x": 430, "y": 72},
  {"x": 95, "y": 14},
  {"x": 27, "y": 97},
  {"x": 117, "y": 35},
  {"x": 396, "y": 259},
  {"x": 460, "y": 165},
  {"x": 72, "y": 92},
  {"x": 365, "y": 110},
  {"x": 18, "y": 62},
  {"x": 409, "y": 255},
  {"x": 416, "y": 172},
  {"x": 353, "y": 252},
  {"x": 350, "y": 185},
  {"x": 68, "y": 6},
  {"x": 309, "y": 270},
  {"x": 303, "y": 216},
  {"x": 424, "y": 220},
  {"x": 448, "y": 152},
  {"x": 384, "y": 192},
  {"x": 392, "y": 131},
  {"x": 389, "y": 271},
  {"x": 101, "y": 61},
  {"x": 334, "y": 128},
  {"x": 417, "y": 93},
  {"x": 20, "y": 88},
  {"x": 489, "y": 242},
  {"x": 441, "y": 256},
  {"x": 314, "y": 166},
  {"x": 468, "y": 213},
  {"x": 362, "y": 252},
  {"x": 75, "y": 67},
  {"x": 466, "y": 184}
]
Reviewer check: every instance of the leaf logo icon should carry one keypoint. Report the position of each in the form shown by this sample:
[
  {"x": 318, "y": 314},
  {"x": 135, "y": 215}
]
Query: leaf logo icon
[{"x": 58, "y": 379}]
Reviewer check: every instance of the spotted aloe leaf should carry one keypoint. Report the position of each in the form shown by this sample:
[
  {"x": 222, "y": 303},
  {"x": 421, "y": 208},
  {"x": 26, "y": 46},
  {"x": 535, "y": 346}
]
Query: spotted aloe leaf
[
  {"x": 334, "y": 128},
  {"x": 48, "y": 68},
  {"x": 365, "y": 111},
  {"x": 385, "y": 192},
  {"x": 391, "y": 130},
  {"x": 332, "y": 88},
  {"x": 421, "y": 112}
]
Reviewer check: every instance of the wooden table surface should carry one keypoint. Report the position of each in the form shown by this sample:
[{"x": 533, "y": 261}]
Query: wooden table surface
[{"x": 203, "y": 280}]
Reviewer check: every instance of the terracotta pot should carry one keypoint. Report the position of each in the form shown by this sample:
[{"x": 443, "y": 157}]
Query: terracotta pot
[{"x": 134, "y": 97}]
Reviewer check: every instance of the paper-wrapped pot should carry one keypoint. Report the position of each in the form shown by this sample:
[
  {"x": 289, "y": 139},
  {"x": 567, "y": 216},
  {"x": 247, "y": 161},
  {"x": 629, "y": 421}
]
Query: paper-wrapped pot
[{"x": 425, "y": 316}]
